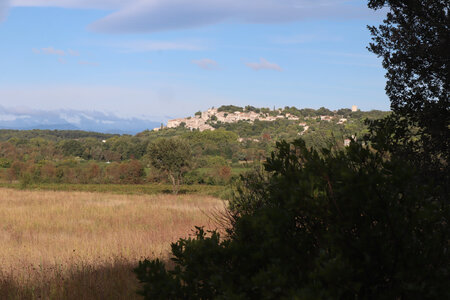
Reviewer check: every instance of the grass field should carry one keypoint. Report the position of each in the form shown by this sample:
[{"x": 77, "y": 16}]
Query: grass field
[
  {"x": 123, "y": 189},
  {"x": 83, "y": 245}
]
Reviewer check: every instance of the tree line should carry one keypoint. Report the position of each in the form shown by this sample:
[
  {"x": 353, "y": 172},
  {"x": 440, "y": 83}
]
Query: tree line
[{"x": 80, "y": 157}]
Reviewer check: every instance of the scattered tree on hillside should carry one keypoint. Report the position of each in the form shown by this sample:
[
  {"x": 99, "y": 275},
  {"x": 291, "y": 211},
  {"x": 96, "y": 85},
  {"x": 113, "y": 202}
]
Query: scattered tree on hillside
[
  {"x": 173, "y": 157},
  {"x": 71, "y": 148}
]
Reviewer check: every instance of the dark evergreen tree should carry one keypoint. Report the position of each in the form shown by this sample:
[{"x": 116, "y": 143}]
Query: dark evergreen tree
[{"x": 414, "y": 44}]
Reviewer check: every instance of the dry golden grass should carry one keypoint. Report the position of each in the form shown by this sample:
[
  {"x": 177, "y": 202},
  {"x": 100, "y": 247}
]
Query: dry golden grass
[{"x": 80, "y": 245}]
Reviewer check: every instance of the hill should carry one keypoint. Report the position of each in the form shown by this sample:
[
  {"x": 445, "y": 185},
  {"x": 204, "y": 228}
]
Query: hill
[{"x": 227, "y": 143}]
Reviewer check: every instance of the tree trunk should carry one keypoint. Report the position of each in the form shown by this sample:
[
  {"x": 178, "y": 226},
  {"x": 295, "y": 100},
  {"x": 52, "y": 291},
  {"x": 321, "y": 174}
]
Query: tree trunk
[{"x": 174, "y": 184}]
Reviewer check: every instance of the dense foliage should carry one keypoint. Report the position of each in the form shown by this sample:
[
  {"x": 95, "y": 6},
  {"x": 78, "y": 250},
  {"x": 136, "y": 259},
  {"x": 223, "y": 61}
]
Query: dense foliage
[
  {"x": 229, "y": 108},
  {"x": 370, "y": 221},
  {"x": 350, "y": 224},
  {"x": 414, "y": 44},
  {"x": 171, "y": 156}
]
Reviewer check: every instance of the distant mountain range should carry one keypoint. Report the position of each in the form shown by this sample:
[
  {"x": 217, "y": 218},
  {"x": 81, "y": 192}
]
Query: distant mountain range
[{"x": 26, "y": 119}]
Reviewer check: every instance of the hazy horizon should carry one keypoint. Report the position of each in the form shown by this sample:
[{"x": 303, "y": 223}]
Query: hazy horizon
[{"x": 64, "y": 119}]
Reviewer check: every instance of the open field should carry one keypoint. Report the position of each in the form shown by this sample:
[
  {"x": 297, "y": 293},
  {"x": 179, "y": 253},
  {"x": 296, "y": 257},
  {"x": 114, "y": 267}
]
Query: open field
[
  {"x": 82, "y": 245},
  {"x": 123, "y": 189}
]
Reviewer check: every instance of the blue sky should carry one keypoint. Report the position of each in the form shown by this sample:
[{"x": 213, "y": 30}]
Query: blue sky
[{"x": 169, "y": 58}]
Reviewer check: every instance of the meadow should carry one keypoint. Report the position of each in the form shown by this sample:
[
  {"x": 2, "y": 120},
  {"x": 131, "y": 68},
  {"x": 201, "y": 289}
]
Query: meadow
[
  {"x": 84, "y": 245},
  {"x": 122, "y": 189}
]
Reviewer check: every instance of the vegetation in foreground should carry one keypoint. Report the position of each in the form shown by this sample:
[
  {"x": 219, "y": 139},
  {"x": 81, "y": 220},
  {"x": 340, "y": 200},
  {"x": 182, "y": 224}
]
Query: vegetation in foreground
[
  {"x": 79, "y": 245},
  {"x": 367, "y": 222},
  {"x": 319, "y": 225}
]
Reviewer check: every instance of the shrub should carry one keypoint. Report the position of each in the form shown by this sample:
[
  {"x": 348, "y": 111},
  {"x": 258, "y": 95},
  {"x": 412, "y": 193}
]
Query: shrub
[
  {"x": 16, "y": 170},
  {"x": 4, "y": 163},
  {"x": 350, "y": 224}
]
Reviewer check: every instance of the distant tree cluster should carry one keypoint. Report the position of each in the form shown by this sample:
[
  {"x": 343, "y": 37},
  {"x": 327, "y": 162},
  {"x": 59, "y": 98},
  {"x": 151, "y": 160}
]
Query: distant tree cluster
[
  {"x": 54, "y": 135},
  {"x": 230, "y": 108},
  {"x": 71, "y": 171},
  {"x": 235, "y": 143}
]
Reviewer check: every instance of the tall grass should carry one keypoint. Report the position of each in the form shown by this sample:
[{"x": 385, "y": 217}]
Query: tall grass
[
  {"x": 82, "y": 245},
  {"x": 127, "y": 189}
]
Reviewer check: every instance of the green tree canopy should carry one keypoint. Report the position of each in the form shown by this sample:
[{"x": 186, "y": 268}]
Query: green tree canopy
[
  {"x": 172, "y": 156},
  {"x": 349, "y": 224},
  {"x": 414, "y": 44},
  {"x": 230, "y": 108}
]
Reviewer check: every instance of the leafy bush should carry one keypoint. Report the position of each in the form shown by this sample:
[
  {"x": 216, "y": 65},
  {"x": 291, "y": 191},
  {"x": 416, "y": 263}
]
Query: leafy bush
[
  {"x": 5, "y": 163},
  {"x": 193, "y": 177},
  {"x": 345, "y": 224}
]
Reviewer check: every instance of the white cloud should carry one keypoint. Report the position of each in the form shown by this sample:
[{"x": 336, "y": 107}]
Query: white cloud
[
  {"x": 160, "y": 15},
  {"x": 86, "y": 116},
  {"x": 12, "y": 117},
  {"x": 61, "y": 60},
  {"x": 53, "y": 51},
  {"x": 206, "y": 64},
  {"x": 36, "y": 51},
  {"x": 88, "y": 63},
  {"x": 263, "y": 64},
  {"x": 72, "y": 119}
]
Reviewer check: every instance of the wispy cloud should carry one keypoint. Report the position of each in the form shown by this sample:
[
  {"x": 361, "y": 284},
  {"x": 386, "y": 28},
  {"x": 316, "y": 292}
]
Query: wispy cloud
[
  {"x": 162, "y": 15},
  {"x": 263, "y": 64},
  {"x": 206, "y": 64},
  {"x": 61, "y": 60},
  {"x": 88, "y": 63},
  {"x": 70, "y": 118},
  {"x": 12, "y": 117},
  {"x": 52, "y": 51}
]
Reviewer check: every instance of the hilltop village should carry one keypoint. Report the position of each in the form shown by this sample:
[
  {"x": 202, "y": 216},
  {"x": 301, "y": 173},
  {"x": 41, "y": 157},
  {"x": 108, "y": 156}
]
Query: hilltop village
[
  {"x": 226, "y": 114},
  {"x": 222, "y": 141}
]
